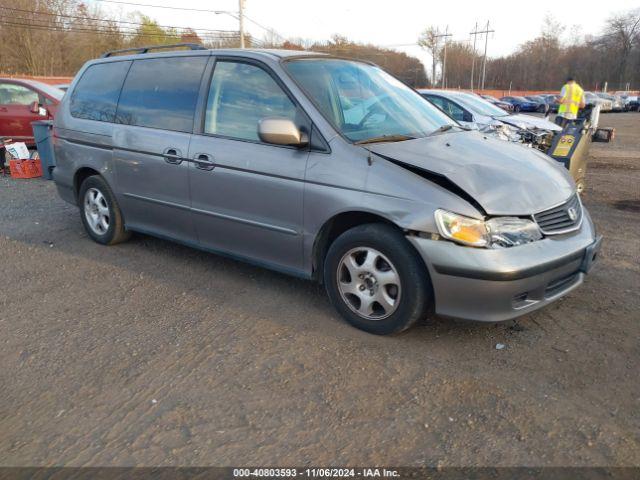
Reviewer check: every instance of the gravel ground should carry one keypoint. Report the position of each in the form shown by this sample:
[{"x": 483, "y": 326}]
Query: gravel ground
[{"x": 150, "y": 353}]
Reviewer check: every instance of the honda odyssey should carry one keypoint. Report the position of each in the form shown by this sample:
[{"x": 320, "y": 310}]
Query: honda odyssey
[{"x": 324, "y": 168}]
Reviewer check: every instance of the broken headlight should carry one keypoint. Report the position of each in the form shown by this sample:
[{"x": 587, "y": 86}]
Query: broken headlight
[
  {"x": 498, "y": 232},
  {"x": 512, "y": 231}
]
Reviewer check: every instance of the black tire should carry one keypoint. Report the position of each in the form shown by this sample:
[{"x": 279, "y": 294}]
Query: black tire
[
  {"x": 115, "y": 233},
  {"x": 414, "y": 292},
  {"x": 516, "y": 108}
]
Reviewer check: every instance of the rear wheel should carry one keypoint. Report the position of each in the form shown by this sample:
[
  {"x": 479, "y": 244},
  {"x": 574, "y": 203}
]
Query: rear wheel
[
  {"x": 376, "y": 280},
  {"x": 516, "y": 108},
  {"x": 101, "y": 215}
]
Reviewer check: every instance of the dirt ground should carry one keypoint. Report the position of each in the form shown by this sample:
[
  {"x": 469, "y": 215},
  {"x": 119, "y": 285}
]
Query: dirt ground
[{"x": 150, "y": 353}]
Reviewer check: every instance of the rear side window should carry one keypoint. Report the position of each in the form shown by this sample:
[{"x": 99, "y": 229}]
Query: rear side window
[
  {"x": 95, "y": 97},
  {"x": 162, "y": 93}
]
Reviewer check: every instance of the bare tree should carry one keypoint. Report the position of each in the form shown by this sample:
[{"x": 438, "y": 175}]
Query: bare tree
[
  {"x": 429, "y": 41},
  {"x": 621, "y": 33}
]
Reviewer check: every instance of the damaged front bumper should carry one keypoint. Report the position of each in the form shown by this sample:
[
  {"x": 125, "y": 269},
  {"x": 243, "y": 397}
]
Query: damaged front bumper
[
  {"x": 493, "y": 285},
  {"x": 535, "y": 138}
]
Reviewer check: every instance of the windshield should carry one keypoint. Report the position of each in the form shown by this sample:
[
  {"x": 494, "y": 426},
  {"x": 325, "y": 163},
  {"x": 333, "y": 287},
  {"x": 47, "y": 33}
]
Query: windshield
[
  {"x": 480, "y": 106},
  {"x": 363, "y": 102}
]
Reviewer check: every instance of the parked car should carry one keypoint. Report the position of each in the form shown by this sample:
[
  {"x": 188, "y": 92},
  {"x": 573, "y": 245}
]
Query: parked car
[
  {"x": 617, "y": 104},
  {"x": 506, "y": 106},
  {"x": 543, "y": 106},
  {"x": 62, "y": 86},
  {"x": 552, "y": 100},
  {"x": 246, "y": 153},
  {"x": 522, "y": 104},
  {"x": 471, "y": 110},
  {"x": 591, "y": 98},
  {"x": 23, "y": 102},
  {"x": 631, "y": 103}
]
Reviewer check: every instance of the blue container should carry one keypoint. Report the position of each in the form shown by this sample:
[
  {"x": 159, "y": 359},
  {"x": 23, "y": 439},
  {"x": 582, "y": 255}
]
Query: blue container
[{"x": 42, "y": 133}]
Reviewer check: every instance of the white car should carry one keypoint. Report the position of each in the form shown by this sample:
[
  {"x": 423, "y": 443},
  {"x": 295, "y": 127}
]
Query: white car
[
  {"x": 593, "y": 99},
  {"x": 474, "y": 111}
]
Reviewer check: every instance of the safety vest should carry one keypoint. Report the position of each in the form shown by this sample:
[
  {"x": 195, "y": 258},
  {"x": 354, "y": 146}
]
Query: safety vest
[{"x": 572, "y": 96}]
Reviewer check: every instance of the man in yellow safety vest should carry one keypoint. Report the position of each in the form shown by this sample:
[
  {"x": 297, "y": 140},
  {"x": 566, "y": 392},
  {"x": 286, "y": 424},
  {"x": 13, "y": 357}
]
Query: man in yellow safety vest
[{"x": 571, "y": 100}]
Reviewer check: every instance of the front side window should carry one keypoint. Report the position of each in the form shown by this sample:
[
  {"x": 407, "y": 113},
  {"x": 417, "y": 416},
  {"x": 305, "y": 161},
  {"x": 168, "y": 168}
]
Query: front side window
[
  {"x": 363, "y": 102},
  {"x": 240, "y": 96},
  {"x": 95, "y": 97},
  {"x": 162, "y": 93},
  {"x": 453, "y": 110},
  {"x": 437, "y": 101},
  {"x": 12, "y": 94}
]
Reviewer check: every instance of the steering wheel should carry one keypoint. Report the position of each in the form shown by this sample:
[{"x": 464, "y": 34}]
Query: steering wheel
[{"x": 375, "y": 108}]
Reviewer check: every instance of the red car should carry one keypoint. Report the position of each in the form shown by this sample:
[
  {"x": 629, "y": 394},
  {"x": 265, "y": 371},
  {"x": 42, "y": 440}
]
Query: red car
[{"x": 23, "y": 102}]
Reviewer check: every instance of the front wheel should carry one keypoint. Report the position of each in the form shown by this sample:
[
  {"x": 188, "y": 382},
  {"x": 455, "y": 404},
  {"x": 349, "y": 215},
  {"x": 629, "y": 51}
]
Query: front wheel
[
  {"x": 101, "y": 215},
  {"x": 516, "y": 108},
  {"x": 376, "y": 280}
]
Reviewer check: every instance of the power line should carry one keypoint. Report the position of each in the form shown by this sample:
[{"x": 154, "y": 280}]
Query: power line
[
  {"x": 168, "y": 7},
  {"x": 60, "y": 28},
  {"x": 111, "y": 21},
  {"x": 217, "y": 12}
]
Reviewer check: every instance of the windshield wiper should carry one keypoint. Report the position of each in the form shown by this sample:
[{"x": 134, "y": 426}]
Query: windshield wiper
[
  {"x": 385, "y": 138},
  {"x": 447, "y": 127}
]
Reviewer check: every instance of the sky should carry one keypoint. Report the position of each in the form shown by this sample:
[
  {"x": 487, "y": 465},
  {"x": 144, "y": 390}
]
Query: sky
[{"x": 396, "y": 23}]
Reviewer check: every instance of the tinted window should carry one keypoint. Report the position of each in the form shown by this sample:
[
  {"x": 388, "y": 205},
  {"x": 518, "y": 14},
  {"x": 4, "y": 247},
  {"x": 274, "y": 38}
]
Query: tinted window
[
  {"x": 453, "y": 110},
  {"x": 161, "y": 93},
  {"x": 437, "y": 101},
  {"x": 12, "y": 94},
  {"x": 450, "y": 108},
  {"x": 240, "y": 96},
  {"x": 95, "y": 97}
]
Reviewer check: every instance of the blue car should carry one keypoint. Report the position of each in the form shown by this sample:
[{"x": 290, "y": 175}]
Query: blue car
[{"x": 521, "y": 104}]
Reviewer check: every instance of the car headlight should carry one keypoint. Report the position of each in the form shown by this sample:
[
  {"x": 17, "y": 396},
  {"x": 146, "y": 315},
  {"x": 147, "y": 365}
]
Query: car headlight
[
  {"x": 512, "y": 231},
  {"x": 498, "y": 232},
  {"x": 461, "y": 229}
]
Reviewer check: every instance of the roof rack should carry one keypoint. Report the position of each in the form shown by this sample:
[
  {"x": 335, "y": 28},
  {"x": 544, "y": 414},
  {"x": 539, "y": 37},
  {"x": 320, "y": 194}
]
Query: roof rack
[{"x": 190, "y": 46}]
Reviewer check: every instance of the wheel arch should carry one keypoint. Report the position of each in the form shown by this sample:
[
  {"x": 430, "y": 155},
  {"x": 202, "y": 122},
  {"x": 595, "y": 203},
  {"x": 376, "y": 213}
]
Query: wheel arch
[
  {"x": 334, "y": 227},
  {"x": 80, "y": 176}
]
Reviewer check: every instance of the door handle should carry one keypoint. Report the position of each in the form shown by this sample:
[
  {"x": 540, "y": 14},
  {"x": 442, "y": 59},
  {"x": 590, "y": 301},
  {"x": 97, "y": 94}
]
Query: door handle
[
  {"x": 204, "y": 162},
  {"x": 172, "y": 156},
  {"x": 4, "y": 109}
]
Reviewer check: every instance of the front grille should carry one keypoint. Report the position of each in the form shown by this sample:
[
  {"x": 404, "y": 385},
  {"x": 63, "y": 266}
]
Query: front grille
[{"x": 561, "y": 219}]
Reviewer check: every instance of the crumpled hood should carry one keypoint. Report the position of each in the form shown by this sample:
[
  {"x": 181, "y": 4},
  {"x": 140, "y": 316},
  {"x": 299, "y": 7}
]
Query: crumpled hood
[
  {"x": 529, "y": 122},
  {"x": 503, "y": 177}
]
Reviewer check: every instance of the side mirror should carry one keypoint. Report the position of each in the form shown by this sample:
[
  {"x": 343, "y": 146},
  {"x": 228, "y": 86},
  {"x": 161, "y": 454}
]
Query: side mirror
[
  {"x": 34, "y": 107},
  {"x": 281, "y": 131},
  {"x": 467, "y": 117}
]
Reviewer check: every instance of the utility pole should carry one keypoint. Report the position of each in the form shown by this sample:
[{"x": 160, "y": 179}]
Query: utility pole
[
  {"x": 241, "y": 19},
  {"x": 446, "y": 34},
  {"x": 475, "y": 34},
  {"x": 473, "y": 58},
  {"x": 484, "y": 60}
]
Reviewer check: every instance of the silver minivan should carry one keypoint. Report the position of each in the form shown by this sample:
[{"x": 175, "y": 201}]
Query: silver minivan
[{"x": 324, "y": 168}]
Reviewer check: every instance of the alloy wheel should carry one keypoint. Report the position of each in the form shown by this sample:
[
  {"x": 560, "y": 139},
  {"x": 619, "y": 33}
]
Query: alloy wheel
[
  {"x": 96, "y": 211},
  {"x": 369, "y": 283}
]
